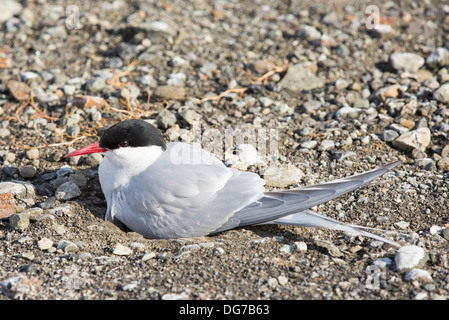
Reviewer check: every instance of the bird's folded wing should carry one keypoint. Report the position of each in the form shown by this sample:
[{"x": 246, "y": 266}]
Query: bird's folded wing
[
  {"x": 277, "y": 204},
  {"x": 185, "y": 199}
]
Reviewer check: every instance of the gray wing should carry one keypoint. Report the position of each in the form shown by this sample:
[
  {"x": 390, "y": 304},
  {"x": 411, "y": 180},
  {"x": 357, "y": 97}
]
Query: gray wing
[
  {"x": 178, "y": 199},
  {"x": 278, "y": 204}
]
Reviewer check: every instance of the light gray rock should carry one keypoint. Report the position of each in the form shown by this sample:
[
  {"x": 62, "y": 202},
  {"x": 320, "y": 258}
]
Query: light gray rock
[
  {"x": 438, "y": 58},
  {"x": 415, "y": 139},
  {"x": 283, "y": 175},
  {"x": 418, "y": 274},
  {"x": 166, "y": 119},
  {"x": 67, "y": 246},
  {"x": 300, "y": 78},
  {"x": 309, "y": 33},
  {"x": 67, "y": 191},
  {"x": 121, "y": 250},
  {"x": 9, "y": 8},
  {"x": 406, "y": 61},
  {"x": 442, "y": 93},
  {"x": 410, "y": 257}
]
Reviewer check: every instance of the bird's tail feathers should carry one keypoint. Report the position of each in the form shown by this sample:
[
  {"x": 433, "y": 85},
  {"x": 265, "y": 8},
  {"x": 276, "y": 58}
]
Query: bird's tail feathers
[{"x": 309, "y": 218}]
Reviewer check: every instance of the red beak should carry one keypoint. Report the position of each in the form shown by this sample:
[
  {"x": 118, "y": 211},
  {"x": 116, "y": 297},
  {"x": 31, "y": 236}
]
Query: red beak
[{"x": 93, "y": 148}]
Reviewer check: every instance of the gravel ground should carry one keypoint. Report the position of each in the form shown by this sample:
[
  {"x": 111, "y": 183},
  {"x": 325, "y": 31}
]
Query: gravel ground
[{"x": 342, "y": 95}]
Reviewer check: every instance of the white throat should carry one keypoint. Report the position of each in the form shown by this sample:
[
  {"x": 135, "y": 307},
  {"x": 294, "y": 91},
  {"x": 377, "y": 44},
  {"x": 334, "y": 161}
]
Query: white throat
[{"x": 121, "y": 164}]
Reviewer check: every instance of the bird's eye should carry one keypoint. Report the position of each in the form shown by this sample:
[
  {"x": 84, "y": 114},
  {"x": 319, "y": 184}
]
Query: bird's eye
[{"x": 123, "y": 144}]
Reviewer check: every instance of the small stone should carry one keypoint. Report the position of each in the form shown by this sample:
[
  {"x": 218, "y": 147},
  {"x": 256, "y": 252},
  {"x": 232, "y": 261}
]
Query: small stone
[
  {"x": 28, "y": 255},
  {"x": 330, "y": 247},
  {"x": 169, "y": 92},
  {"x": 176, "y": 79},
  {"x": 388, "y": 92},
  {"x": 121, "y": 250},
  {"x": 309, "y": 33},
  {"x": 389, "y": 135},
  {"x": 445, "y": 233},
  {"x": 166, "y": 119},
  {"x": 32, "y": 154},
  {"x": 419, "y": 275},
  {"x": 282, "y": 280},
  {"x": 19, "y": 221},
  {"x": 44, "y": 244},
  {"x": 442, "y": 93},
  {"x": 4, "y": 132},
  {"x": 416, "y": 139},
  {"x": 93, "y": 159},
  {"x": 299, "y": 78},
  {"x": 19, "y": 90},
  {"x": 402, "y": 224},
  {"x": 148, "y": 256},
  {"x": 410, "y": 257},
  {"x": 286, "y": 248},
  {"x": 9, "y": 9},
  {"x": 67, "y": 246},
  {"x": 301, "y": 246},
  {"x": 190, "y": 116},
  {"x": 283, "y": 175},
  {"x": 28, "y": 172},
  {"x": 347, "y": 112},
  {"x": 341, "y": 84},
  {"x": 67, "y": 191},
  {"x": 95, "y": 85},
  {"x": 406, "y": 61},
  {"x": 326, "y": 145},
  {"x": 247, "y": 154},
  {"x": 311, "y": 144},
  {"x": 7, "y": 205},
  {"x": 438, "y": 58},
  {"x": 443, "y": 164}
]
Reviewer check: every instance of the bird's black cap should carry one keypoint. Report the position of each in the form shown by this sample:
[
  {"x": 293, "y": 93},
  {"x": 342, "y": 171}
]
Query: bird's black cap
[{"x": 132, "y": 133}]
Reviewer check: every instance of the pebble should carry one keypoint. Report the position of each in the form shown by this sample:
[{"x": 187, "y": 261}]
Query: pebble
[
  {"x": 389, "y": 135},
  {"x": 95, "y": 85},
  {"x": 330, "y": 247},
  {"x": 32, "y": 154},
  {"x": 176, "y": 79},
  {"x": 416, "y": 139},
  {"x": 438, "y": 58},
  {"x": 247, "y": 154},
  {"x": 410, "y": 257},
  {"x": 67, "y": 191},
  {"x": 443, "y": 164},
  {"x": 282, "y": 175},
  {"x": 300, "y": 78},
  {"x": 45, "y": 244},
  {"x": 166, "y": 119},
  {"x": 19, "y": 221},
  {"x": 169, "y": 92},
  {"x": 326, "y": 145},
  {"x": 160, "y": 27},
  {"x": 9, "y": 9},
  {"x": 311, "y": 144},
  {"x": 17, "y": 189},
  {"x": 309, "y": 33},
  {"x": 121, "y": 250},
  {"x": 347, "y": 112},
  {"x": 418, "y": 274},
  {"x": 19, "y": 90},
  {"x": 442, "y": 93},
  {"x": 190, "y": 116},
  {"x": 67, "y": 246},
  {"x": 28, "y": 172},
  {"x": 7, "y": 205},
  {"x": 406, "y": 61},
  {"x": 4, "y": 132}
]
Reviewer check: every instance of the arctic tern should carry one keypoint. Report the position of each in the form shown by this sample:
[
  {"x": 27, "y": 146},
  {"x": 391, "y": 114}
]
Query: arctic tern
[{"x": 177, "y": 190}]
